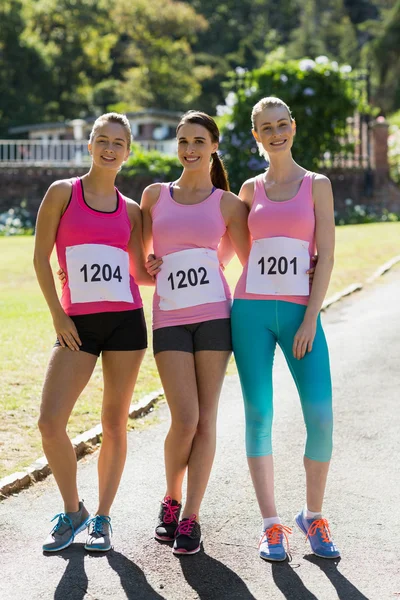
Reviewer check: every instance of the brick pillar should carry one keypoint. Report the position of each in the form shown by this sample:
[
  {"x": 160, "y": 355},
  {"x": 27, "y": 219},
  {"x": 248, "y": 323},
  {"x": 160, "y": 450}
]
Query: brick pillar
[{"x": 380, "y": 135}]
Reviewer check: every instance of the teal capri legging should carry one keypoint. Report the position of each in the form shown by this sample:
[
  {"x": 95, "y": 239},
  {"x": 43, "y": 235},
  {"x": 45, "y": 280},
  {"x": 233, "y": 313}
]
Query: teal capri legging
[{"x": 257, "y": 326}]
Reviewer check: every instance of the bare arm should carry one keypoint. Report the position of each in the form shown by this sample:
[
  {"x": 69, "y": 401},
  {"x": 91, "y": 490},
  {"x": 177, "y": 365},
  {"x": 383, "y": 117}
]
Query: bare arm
[
  {"x": 235, "y": 214},
  {"x": 49, "y": 215},
  {"x": 325, "y": 241},
  {"x": 149, "y": 199},
  {"x": 135, "y": 246}
]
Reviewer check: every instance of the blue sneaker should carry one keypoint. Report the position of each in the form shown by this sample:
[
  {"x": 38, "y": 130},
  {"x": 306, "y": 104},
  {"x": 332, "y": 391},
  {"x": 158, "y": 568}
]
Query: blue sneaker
[
  {"x": 67, "y": 527},
  {"x": 319, "y": 535},
  {"x": 271, "y": 543}
]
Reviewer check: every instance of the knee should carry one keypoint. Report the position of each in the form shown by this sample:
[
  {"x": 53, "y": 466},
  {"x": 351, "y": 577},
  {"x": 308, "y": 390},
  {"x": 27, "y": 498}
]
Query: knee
[
  {"x": 114, "y": 426},
  {"x": 50, "y": 427},
  {"x": 319, "y": 435},
  {"x": 207, "y": 426},
  {"x": 185, "y": 426}
]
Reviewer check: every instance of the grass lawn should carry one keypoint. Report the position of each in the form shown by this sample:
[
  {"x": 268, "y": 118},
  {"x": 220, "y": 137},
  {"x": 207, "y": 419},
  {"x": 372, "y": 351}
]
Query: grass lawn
[{"x": 27, "y": 336}]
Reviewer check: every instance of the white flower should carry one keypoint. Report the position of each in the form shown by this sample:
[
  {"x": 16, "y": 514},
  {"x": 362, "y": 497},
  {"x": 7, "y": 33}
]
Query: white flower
[
  {"x": 240, "y": 71},
  {"x": 334, "y": 65},
  {"x": 306, "y": 64},
  {"x": 348, "y": 202},
  {"x": 346, "y": 69},
  {"x": 308, "y": 111},
  {"x": 231, "y": 99},
  {"x": 284, "y": 78},
  {"x": 322, "y": 60},
  {"x": 309, "y": 92},
  {"x": 223, "y": 110}
]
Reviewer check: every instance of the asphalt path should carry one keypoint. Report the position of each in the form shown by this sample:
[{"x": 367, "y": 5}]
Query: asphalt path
[{"x": 362, "y": 500}]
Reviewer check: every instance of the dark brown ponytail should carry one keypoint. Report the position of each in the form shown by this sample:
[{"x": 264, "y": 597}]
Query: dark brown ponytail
[{"x": 219, "y": 176}]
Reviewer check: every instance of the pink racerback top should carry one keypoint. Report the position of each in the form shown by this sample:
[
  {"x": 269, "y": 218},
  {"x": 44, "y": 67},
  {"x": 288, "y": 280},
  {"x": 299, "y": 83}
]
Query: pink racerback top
[
  {"x": 294, "y": 218},
  {"x": 81, "y": 224},
  {"x": 179, "y": 227}
]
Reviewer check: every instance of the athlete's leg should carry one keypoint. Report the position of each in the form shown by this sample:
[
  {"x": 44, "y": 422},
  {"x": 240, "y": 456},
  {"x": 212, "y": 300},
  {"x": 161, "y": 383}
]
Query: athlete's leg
[
  {"x": 210, "y": 372},
  {"x": 313, "y": 381},
  {"x": 67, "y": 375},
  {"x": 254, "y": 348},
  {"x": 120, "y": 371},
  {"x": 178, "y": 377}
]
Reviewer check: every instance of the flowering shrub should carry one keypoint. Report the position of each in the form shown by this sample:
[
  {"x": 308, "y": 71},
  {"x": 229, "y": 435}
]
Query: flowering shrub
[
  {"x": 354, "y": 214},
  {"x": 394, "y": 147},
  {"x": 16, "y": 221},
  {"x": 152, "y": 164},
  {"x": 320, "y": 94}
]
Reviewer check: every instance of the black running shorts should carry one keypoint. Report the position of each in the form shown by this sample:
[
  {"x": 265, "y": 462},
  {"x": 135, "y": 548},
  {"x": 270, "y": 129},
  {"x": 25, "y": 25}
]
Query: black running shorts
[
  {"x": 208, "y": 335},
  {"x": 124, "y": 330}
]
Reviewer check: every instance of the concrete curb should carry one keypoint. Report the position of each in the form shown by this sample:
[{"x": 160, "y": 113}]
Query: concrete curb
[
  {"x": 87, "y": 441},
  {"x": 83, "y": 444}
]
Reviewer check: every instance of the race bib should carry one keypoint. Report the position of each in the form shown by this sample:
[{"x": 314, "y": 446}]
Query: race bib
[
  {"x": 189, "y": 278},
  {"x": 97, "y": 273},
  {"x": 277, "y": 266}
]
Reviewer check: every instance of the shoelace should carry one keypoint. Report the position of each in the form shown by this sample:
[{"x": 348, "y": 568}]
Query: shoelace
[
  {"x": 170, "y": 510},
  {"x": 323, "y": 527},
  {"x": 274, "y": 534},
  {"x": 98, "y": 522},
  {"x": 63, "y": 519},
  {"x": 186, "y": 527}
]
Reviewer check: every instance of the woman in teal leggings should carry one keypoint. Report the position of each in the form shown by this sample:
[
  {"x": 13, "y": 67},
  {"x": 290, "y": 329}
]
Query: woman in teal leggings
[{"x": 291, "y": 216}]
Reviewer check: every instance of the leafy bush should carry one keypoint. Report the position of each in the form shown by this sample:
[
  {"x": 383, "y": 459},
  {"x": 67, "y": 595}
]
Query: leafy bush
[
  {"x": 16, "y": 221},
  {"x": 154, "y": 164},
  {"x": 320, "y": 94},
  {"x": 394, "y": 147},
  {"x": 360, "y": 213}
]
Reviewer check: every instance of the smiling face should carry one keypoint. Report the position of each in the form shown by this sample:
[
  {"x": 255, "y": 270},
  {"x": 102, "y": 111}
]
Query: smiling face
[
  {"x": 109, "y": 146},
  {"x": 195, "y": 146},
  {"x": 274, "y": 129}
]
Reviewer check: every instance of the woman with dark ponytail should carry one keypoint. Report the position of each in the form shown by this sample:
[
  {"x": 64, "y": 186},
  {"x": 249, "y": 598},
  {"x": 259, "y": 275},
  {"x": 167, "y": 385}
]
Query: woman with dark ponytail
[{"x": 184, "y": 222}]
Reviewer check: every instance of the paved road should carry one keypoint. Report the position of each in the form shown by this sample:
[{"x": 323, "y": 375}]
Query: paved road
[{"x": 362, "y": 500}]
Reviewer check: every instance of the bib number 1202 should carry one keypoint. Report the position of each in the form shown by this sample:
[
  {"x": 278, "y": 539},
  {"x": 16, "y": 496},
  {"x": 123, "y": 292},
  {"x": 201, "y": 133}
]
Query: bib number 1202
[
  {"x": 101, "y": 273},
  {"x": 282, "y": 264},
  {"x": 192, "y": 276}
]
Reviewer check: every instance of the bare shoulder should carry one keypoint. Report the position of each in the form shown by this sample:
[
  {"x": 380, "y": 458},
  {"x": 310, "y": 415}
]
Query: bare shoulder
[
  {"x": 232, "y": 205},
  {"x": 150, "y": 196},
  {"x": 321, "y": 182},
  {"x": 58, "y": 194}
]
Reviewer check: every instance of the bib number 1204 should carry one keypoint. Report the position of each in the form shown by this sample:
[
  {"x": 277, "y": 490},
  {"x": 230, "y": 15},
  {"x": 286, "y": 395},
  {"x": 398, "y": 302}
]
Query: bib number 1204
[
  {"x": 278, "y": 265},
  {"x": 192, "y": 276},
  {"x": 104, "y": 273}
]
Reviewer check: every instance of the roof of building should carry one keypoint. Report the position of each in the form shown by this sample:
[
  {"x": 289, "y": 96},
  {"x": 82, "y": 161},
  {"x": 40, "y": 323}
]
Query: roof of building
[{"x": 153, "y": 112}]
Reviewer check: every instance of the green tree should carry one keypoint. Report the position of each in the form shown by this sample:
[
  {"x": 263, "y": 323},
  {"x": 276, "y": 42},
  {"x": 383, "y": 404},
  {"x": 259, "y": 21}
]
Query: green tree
[
  {"x": 25, "y": 77},
  {"x": 154, "y": 55},
  {"x": 75, "y": 38}
]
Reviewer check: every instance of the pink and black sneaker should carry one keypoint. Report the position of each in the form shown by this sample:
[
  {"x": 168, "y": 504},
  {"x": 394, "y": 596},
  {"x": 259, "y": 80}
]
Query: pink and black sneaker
[
  {"x": 187, "y": 537},
  {"x": 168, "y": 520}
]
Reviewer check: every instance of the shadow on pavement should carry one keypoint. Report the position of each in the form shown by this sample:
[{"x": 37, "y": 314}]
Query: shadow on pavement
[
  {"x": 73, "y": 584},
  {"x": 133, "y": 580},
  {"x": 344, "y": 588},
  {"x": 211, "y": 579},
  {"x": 289, "y": 583}
]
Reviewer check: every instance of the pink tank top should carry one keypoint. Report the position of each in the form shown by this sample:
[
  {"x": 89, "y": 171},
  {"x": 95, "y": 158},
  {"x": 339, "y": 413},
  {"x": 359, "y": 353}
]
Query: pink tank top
[
  {"x": 92, "y": 250},
  {"x": 178, "y": 227},
  {"x": 292, "y": 218}
]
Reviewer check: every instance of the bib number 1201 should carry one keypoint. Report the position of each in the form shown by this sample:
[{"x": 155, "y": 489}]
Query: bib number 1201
[
  {"x": 104, "y": 273},
  {"x": 192, "y": 276},
  {"x": 282, "y": 264}
]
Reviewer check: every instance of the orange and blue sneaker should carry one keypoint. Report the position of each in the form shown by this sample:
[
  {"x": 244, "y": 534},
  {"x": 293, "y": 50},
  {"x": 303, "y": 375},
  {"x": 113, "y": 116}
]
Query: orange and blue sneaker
[
  {"x": 317, "y": 532},
  {"x": 271, "y": 543}
]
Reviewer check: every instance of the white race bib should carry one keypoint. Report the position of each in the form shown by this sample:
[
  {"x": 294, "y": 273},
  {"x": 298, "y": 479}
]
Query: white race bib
[
  {"x": 97, "y": 272},
  {"x": 277, "y": 266},
  {"x": 189, "y": 278}
]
